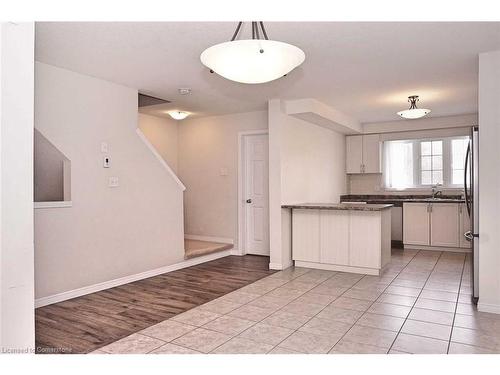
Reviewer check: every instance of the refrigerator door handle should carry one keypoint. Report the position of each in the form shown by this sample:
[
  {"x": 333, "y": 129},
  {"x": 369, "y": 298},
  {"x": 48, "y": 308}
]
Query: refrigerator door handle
[{"x": 467, "y": 197}]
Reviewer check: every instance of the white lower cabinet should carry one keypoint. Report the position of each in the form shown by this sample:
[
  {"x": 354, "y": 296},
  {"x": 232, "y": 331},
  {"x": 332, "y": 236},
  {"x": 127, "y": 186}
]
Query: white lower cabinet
[
  {"x": 434, "y": 224},
  {"x": 342, "y": 240},
  {"x": 305, "y": 235},
  {"x": 464, "y": 226},
  {"x": 444, "y": 224},
  {"x": 368, "y": 228},
  {"x": 416, "y": 224},
  {"x": 334, "y": 239}
]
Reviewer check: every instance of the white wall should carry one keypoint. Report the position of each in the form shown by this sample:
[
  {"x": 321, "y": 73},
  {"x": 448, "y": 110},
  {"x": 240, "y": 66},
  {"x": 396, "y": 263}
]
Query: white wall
[
  {"x": 163, "y": 135},
  {"x": 17, "y": 323},
  {"x": 489, "y": 182},
  {"x": 207, "y": 145},
  {"x": 312, "y": 163},
  {"x": 108, "y": 233},
  {"x": 306, "y": 164}
]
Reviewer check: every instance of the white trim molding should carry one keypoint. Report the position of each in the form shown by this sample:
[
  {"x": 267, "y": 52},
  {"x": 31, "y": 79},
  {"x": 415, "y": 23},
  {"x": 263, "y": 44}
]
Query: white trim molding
[
  {"x": 160, "y": 159},
  {"x": 59, "y": 297},
  {"x": 241, "y": 200},
  {"x": 488, "y": 308},
  {"x": 209, "y": 238},
  {"x": 279, "y": 266},
  {"x": 438, "y": 248},
  {"x": 58, "y": 204}
]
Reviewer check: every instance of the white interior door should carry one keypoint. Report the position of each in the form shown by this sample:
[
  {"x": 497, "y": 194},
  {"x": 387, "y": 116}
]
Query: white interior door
[{"x": 256, "y": 194}]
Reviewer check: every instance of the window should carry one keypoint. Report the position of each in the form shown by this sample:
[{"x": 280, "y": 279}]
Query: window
[{"x": 421, "y": 163}]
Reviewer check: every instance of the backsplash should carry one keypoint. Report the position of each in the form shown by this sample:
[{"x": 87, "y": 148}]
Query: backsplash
[{"x": 372, "y": 184}]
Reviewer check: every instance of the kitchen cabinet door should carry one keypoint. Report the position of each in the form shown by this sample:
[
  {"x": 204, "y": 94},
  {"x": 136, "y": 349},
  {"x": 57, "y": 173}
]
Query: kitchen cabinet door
[
  {"x": 305, "y": 235},
  {"x": 334, "y": 237},
  {"x": 371, "y": 154},
  {"x": 416, "y": 224},
  {"x": 365, "y": 239},
  {"x": 464, "y": 227},
  {"x": 354, "y": 153},
  {"x": 444, "y": 224}
]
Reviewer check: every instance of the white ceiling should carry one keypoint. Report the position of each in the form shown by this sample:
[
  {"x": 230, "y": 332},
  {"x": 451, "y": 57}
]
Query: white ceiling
[{"x": 366, "y": 70}]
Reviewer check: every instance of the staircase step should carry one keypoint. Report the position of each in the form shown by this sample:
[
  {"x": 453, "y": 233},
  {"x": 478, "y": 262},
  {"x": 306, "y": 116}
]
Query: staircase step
[{"x": 196, "y": 248}]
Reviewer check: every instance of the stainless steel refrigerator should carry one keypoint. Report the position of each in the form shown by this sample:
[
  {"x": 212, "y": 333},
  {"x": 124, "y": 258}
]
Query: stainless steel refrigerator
[{"x": 471, "y": 189}]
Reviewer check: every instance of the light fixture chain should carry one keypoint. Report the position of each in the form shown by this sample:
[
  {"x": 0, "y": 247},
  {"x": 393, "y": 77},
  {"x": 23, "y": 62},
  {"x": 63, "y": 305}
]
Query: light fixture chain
[
  {"x": 263, "y": 30},
  {"x": 237, "y": 31}
]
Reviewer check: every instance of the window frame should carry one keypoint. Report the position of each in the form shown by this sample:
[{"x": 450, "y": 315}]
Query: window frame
[{"x": 447, "y": 159}]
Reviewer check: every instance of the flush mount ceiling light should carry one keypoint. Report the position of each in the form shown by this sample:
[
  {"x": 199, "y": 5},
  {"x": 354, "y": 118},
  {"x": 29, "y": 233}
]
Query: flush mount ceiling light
[
  {"x": 178, "y": 115},
  {"x": 413, "y": 112},
  {"x": 253, "y": 60}
]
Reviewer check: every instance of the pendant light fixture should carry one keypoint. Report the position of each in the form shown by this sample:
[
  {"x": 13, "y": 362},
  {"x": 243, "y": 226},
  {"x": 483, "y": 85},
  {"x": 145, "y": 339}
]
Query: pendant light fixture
[
  {"x": 413, "y": 112},
  {"x": 253, "y": 60},
  {"x": 178, "y": 115}
]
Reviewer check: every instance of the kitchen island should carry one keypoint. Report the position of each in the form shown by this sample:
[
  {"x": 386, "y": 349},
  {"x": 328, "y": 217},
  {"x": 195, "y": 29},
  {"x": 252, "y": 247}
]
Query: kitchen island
[{"x": 341, "y": 237}]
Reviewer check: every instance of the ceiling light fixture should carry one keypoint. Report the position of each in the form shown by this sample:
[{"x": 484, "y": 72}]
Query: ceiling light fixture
[
  {"x": 184, "y": 91},
  {"x": 178, "y": 115},
  {"x": 253, "y": 60},
  {"x": 413, "y": 112}
]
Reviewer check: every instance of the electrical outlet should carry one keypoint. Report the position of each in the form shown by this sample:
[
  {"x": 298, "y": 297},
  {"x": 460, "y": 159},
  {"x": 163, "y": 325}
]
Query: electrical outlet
[
  {"x": 113, "y": 182},
  {"x": 104, "y": 147},
  {"x": 223, "y": 171}
]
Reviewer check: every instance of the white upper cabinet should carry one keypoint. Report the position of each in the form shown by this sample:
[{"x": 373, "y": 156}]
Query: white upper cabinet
[
  {"x": 354, "y": 154},
  {"x": 363, "y": 154},
  {"x": 371, "y": 154}
]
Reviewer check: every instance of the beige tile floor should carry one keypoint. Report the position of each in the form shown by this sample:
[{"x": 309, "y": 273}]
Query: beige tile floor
[{"x": 420, "y": 304}]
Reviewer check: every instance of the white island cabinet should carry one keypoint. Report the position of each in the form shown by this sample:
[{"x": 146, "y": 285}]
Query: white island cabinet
[{"x": 341, "y": 237}]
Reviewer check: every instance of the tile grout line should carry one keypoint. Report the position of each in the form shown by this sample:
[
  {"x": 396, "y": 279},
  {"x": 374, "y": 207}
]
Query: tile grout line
[
  {"x": 373, "y": 302},
  {"x": 336, "y": 297},
  {"x": 416, "y": 299},
  {"x": 294, "y": 299},
  {"x": 456, "y": 305},
  {"x": 262, "y": 295}
]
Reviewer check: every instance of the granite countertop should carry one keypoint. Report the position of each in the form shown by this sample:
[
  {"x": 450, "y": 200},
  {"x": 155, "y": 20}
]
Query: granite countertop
[
  {"x": 398, "y": 200},
  {"x": 339, "y": 206}
]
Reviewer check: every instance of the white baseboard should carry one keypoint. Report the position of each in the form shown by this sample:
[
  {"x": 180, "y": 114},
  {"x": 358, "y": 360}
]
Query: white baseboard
[
  {"x": 209, "y": 238},
  {"x": 236, "y": 252},
  {"x": 488, "y": 308},
  {"x": 44, "y": 301},
  {"x": 335, "y": 267},
  {"x": 438, "y": 248},
  {"x": 280, "y": 266}
]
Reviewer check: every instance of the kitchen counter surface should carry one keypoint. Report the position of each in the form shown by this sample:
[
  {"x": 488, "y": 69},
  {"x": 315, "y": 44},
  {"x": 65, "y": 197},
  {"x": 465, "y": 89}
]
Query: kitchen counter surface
[
  {"x": 339, "y": 206},
  {"x": 398, "y": 200}
]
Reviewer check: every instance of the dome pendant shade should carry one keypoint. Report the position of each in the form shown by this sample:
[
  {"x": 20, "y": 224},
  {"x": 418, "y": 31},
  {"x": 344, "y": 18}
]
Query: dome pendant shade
[
  {"x": 413, "y": 112},
  {"x": 254, "y": 60}
]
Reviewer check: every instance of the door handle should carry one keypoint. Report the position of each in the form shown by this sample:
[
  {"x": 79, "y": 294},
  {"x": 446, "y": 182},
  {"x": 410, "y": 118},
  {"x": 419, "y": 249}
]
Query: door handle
[
  {"x": 249, "y": 201},
  {"x": 468, "y": 235}
]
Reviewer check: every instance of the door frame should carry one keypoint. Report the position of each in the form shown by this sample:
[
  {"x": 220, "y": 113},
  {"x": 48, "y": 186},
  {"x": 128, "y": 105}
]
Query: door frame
[{"x": 241, "y": 188}]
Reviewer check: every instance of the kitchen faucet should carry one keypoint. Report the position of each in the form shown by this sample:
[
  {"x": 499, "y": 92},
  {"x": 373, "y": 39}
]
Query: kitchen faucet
[{"x": 436, "y": 191}]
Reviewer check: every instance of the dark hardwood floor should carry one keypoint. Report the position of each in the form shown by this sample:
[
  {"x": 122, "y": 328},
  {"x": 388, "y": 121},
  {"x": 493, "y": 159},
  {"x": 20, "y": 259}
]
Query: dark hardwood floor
[{"x": 86, "y": 323}]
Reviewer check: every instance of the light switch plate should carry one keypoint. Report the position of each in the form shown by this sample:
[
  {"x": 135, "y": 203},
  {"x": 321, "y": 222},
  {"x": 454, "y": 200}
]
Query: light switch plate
[
  {"x": 106, "y": 162},
  {"x": 113, "y": 181}
]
